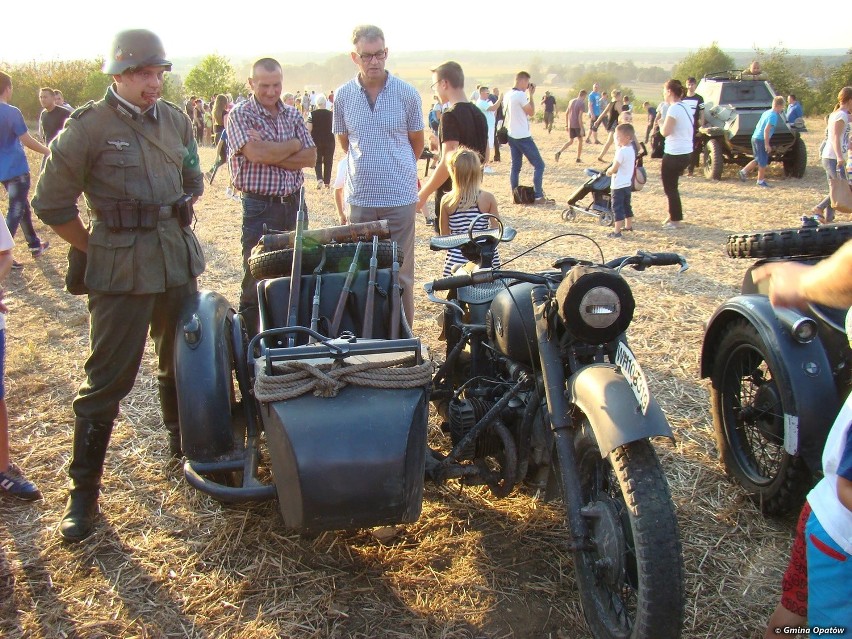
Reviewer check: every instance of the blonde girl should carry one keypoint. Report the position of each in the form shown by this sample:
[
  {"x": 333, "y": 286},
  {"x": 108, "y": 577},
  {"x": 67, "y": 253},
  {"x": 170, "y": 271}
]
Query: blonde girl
[{"x": 464, "y": 202}]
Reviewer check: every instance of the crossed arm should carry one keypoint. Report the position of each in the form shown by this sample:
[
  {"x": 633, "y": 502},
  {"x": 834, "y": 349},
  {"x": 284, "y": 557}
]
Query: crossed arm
[{"x": 287, "y": 155}]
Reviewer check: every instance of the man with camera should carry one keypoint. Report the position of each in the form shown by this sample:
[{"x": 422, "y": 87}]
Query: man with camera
[
  {"x": 519, "y": 108},
  {"x": 134, "y": 157}
]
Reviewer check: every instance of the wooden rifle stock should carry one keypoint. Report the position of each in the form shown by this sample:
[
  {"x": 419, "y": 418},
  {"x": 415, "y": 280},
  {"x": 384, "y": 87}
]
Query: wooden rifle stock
[
  {"x": 296, "y": 270},
  {"x": 344, "y": 294},
  {"x": 371, "y": 291},
  {"x": 360, "y": 232},
  {"x": 396, "y": 295}
]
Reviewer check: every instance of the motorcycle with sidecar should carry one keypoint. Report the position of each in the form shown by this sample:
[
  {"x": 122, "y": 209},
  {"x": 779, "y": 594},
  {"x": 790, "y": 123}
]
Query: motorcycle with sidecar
[
  {"x": 778, "y": 376},
  {"x": 538, "y": 390}
]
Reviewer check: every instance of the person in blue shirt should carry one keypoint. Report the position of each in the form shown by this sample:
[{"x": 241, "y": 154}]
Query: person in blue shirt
[
  {"x": 14, "y": 169},
  {"x": 794, "y": 109},
  {"x": 594, "y": 112},
  {"x": 760, "y": 142}
]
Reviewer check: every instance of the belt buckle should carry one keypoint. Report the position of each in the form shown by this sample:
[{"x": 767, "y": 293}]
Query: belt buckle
[{"x": 164, "y": 213}]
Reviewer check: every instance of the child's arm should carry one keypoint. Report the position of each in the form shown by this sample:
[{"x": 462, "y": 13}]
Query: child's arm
[
  {"x": 614, "y": 168},
  {"x": 487, "y": 203},
  {"x": 338, "y": 204},
  {"x": 444, "y": 223},
  {"x": 5, "y": 267}
]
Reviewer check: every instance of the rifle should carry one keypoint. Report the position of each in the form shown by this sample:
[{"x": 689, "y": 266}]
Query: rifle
[
  {"x": 316, "y": 302},
  {"x": 396, "y": 293},
  {"x": 344, "y": 294},
  {"x": 359, "y": 232},
  {"x": 296, "y": 269},
  {"x": 371, "y": 290}
]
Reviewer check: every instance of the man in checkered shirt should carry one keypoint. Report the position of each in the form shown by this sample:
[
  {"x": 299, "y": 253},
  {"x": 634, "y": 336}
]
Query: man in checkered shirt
[
  {"x": 269, "y": 146},
  {"x": 378, "y": 120}
]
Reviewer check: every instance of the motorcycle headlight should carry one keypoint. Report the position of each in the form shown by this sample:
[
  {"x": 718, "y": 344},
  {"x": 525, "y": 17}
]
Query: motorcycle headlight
[{"x": 595, "y": 304}]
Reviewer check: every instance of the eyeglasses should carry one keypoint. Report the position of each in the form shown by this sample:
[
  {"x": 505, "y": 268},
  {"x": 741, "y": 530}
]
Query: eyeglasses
[
  {"x": 435, "y": 84},
  {"x": 378, "y": 55}
]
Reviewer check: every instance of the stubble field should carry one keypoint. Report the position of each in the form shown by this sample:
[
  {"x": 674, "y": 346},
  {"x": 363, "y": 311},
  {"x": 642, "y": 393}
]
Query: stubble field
[{"x": 166, "y": 561}]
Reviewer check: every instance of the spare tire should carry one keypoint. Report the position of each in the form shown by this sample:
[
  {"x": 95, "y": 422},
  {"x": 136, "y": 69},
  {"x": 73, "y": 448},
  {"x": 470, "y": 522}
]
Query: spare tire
[
  {"x": 338, "y": 257},
  {"x": 818, "y": 241}
]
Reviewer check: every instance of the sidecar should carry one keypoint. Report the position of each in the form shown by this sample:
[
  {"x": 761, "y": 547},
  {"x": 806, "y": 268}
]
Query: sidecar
[
  {"x": 778, "y": 376},
  {"x": 334, "y": 427}
]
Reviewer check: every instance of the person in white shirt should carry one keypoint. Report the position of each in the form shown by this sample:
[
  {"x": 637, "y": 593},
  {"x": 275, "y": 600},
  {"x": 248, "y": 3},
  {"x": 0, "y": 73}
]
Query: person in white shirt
[
  {"x": 489, "y": 109},
  {"x": 622, "y": 178},
  {"x": 519, "y": 107}
]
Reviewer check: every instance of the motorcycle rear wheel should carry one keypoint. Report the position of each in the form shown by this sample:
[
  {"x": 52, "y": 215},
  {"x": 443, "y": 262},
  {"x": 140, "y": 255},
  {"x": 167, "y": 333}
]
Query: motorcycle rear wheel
[
  {"x": 748, "y": 418},
  {"x": 631, "y": 578}
]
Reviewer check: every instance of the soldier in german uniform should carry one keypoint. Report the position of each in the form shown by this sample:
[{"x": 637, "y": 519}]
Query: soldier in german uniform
[{"x": 134, "y": 158}]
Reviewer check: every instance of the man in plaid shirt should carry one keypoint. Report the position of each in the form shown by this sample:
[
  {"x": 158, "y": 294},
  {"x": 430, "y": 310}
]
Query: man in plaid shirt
[
  {"x": 378, "y": 120},
  {"x": 269, "y": 146}
]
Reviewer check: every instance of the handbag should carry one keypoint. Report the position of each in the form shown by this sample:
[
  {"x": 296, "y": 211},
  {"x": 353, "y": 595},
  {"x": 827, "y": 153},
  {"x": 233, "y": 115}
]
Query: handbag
[
  {"x": 503, "y": 135},
  {"x": 840, "y": 194},
  {"x": 523, "y": 194},
  {"x": 640, "y": 176}
]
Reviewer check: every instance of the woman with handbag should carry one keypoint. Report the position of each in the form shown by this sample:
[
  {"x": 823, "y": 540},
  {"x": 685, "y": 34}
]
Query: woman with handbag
[
  {"x": 678, "y": 132},
  {"x": 833, "y": 158}
]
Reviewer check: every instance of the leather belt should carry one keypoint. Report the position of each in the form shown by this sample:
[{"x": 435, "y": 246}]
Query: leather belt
[{"x": 273, "y": 199}]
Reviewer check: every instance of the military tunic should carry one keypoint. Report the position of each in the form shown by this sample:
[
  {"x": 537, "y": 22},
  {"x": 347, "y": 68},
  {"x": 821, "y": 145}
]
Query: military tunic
[{"x": 137, "y": 278}]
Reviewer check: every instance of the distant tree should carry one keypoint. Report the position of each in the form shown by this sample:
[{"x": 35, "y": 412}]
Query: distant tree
[
  {"x": 79, "y": 81},
  {"x": 607, "y": 81},
  {"x": 786, "y": 74},
  {"x": 213, "y": 75},
  {"x": 173, "y": 88},
  {"x": 706, "y": 60},
  {"x": 826, "y": 96},
  {"x": 653, "y": 74}
]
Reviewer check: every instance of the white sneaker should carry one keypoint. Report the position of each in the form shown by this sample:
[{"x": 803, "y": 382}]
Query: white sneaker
[{"x": 488, "y": 170}]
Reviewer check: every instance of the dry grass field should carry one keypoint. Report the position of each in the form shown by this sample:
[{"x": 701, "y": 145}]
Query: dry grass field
[{"x": 166, "y": 561}]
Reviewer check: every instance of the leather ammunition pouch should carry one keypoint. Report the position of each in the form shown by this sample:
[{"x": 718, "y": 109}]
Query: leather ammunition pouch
[{"x": 131, "y": 215}]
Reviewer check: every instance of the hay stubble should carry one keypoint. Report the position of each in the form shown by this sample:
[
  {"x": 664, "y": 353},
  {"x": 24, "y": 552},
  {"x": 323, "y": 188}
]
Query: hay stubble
[{"x": 167, "y": 561}]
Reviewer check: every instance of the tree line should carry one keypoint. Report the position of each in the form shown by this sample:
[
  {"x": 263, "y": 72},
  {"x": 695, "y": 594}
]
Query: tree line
[{"x": 814, "y": 81}]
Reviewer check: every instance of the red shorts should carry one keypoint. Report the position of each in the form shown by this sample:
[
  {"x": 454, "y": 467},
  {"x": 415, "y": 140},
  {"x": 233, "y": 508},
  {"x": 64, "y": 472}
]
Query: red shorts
[{"x": 794, "y": 585}]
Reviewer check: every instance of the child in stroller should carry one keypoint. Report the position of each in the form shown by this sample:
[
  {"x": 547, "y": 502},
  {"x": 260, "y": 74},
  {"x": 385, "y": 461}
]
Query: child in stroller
[{"x": 598, "y": 184}]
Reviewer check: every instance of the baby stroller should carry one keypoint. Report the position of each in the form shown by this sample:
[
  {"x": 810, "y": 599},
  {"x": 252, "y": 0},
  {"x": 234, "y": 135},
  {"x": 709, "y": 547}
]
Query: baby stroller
[{"x": 598, "y": 185}]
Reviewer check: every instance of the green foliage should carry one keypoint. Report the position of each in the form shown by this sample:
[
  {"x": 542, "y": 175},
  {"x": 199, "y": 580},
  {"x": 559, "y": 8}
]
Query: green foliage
[
  {"x": 607, "y": 81},
  {"x": 706, "y": 60},
  {"x": 213, "y": 75},
  {"x": 826, "y": 96},
  {"x": 79, "y": 81},
  {"x": 786, "y": 74},
  {"x": 173, "y": 88}
]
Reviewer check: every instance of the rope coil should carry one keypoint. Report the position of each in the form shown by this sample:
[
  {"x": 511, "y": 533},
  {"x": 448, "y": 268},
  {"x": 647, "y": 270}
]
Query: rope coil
[{"x": 292, "y": 379}]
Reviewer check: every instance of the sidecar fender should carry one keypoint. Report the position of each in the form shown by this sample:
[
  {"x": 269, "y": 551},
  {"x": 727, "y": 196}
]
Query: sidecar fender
[
  {"x": 802, "y": 372},
  {"x": 605, "y": 397}
]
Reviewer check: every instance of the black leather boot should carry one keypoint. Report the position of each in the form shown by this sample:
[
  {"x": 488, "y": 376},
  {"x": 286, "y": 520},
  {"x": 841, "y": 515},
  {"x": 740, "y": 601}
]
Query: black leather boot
[
  {"x": 87, "y": 463},
  {"x": 168, "y": 406}
]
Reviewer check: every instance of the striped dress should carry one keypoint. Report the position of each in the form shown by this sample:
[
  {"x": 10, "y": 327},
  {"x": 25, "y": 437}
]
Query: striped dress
[{"x": 459, "y": 224}]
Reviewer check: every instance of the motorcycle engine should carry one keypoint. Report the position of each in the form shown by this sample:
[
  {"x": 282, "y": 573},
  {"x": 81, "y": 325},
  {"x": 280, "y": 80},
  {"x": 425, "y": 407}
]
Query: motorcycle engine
[{"x": 463, "y": 415}]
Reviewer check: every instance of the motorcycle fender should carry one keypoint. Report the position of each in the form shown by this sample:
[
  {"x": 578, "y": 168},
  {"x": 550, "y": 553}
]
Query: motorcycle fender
[
  {"x": 802, "y": 371},
  {"x": 605, "y": 397},
  {"x": 202, "y": 377}
]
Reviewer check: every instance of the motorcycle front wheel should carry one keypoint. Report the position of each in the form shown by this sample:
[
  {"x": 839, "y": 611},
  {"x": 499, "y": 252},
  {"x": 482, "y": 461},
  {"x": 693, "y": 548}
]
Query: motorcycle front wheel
[
  {"x": 748, "y": 417},
  {"x": 630, "y": 575}
]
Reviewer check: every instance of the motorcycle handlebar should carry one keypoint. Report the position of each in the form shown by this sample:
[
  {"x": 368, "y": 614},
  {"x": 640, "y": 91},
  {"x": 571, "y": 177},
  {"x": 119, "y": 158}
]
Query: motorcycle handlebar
[{"x": 640, "y": 261}]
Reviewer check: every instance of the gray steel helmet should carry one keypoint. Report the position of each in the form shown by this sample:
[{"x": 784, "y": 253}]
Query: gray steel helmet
[{"x": 135, "y": 48}]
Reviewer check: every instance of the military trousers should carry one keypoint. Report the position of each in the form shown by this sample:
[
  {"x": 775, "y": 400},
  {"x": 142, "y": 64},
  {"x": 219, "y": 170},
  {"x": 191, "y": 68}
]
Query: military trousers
[{"x": 118, "y": 328}]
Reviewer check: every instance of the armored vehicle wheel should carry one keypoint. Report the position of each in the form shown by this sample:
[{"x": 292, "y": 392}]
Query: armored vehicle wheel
[
  {"x": 568, "y": 215},
  {"x": 749, "y": 413},
  {"x": 796, "y": 160},
  {"x": 714, "y": 159},
  {"x": 338, "y": 257},
  {"x": 606, "y": 218},
  {"x": 818, "y": 241}
]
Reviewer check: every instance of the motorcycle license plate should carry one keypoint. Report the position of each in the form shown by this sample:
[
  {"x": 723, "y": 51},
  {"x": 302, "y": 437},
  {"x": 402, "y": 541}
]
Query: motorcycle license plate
[{"x": 634, "y": 375}]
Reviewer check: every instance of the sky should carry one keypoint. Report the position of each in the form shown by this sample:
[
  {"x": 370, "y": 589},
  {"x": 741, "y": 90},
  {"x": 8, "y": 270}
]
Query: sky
[{"x": 58, "y": 30}]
